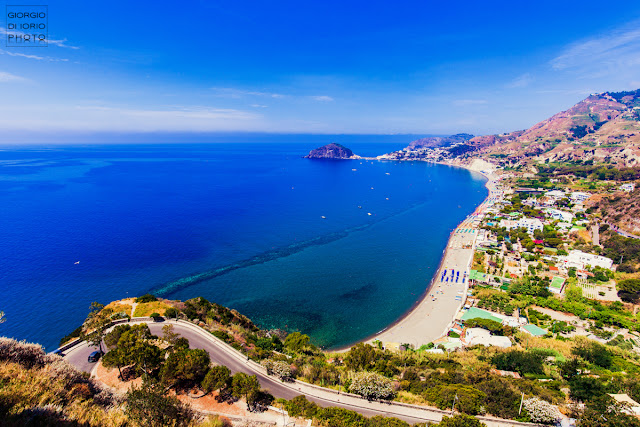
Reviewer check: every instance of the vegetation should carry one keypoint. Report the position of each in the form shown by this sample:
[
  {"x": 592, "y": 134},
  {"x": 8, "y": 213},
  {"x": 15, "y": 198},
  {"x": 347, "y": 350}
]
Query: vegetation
[{"x": 149, "y": 406}]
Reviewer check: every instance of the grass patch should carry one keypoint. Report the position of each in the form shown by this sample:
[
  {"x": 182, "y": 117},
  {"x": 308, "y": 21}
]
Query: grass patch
[
  {"x": 147, "y": 308},
  {"x": 120, "y": 306}
]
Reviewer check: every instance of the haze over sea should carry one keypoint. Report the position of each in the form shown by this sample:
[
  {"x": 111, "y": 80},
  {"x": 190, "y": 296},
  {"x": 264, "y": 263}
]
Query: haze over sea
[{"x": 239, "y": 224}]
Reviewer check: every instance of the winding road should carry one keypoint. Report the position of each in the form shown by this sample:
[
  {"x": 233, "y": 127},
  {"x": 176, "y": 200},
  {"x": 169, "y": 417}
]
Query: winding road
[{"x": 223, "y": 354}]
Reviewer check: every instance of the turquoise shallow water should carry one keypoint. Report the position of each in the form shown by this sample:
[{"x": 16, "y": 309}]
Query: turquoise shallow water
[{"x": 240, "y": 224}]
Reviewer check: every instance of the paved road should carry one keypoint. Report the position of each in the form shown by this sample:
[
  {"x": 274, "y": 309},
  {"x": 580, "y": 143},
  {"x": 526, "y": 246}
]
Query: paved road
[{"x": 223, "y": 354}]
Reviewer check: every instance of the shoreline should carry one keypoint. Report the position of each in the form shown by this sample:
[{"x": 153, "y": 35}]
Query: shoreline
[{"x": 431, "y": 316}]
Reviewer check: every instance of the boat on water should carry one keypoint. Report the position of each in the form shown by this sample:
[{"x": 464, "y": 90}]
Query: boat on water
[
  {"x": 324, "y": 217},
  {"x": 369, "y": 213}
]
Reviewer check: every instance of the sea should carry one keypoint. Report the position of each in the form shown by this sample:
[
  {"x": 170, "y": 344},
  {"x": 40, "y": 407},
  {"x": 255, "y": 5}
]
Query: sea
[{"x": 336, "y": 249}]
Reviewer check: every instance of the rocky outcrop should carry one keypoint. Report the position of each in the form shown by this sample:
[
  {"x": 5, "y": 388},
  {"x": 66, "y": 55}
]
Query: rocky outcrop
[{"x": 331, "y": 151}]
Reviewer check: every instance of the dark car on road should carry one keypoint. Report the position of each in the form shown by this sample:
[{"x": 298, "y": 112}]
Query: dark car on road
[{"x": 95, "y": 356}]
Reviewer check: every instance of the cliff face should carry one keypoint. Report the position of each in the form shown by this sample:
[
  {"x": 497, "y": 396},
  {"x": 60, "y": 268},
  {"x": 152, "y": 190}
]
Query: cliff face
[
  {"x": 604, "y": 127},
  {"x": 331, "y": 151},
  {"x": 440, "y": 141}
]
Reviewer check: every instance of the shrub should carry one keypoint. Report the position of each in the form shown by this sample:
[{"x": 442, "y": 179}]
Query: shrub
[
  {"x": 522, "y": 362},
  {"x": 171, "y": 313},
  {"x": 594, "y": 352},
  {"x": 460, "y": 420},
  {"x": 149, "y": 407},
  {"x": 278, "y": 368},
  {"x": 146, "y": 298},
  {"x": 541, "y": 411},
  {"x": 467, "y": 398},
  {"x": 154, "y": 315},
  {"x": 299, "y": 406},
  {"x": 371, "y": 386},
  {"x": 216, "y": 378}
]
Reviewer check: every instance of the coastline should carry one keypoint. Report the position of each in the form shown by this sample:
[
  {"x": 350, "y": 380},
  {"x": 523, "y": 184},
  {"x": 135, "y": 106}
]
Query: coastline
[{"x": 431, "y": 316}]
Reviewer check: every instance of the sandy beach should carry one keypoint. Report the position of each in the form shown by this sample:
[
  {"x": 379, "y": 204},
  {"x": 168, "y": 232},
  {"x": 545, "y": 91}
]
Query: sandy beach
[{"x": 432, "y": 317}]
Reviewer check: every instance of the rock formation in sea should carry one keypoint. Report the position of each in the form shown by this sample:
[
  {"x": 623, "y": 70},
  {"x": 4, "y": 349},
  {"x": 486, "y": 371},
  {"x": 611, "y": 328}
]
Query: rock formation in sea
[{"x": 331, "y": 151}]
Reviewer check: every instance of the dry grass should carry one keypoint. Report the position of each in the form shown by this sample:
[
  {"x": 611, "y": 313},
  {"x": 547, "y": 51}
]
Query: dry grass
[
  {"x": 120, "y": 306},
  {"x": 146, "y": 308},
  {"x": 43, "y": 397},
  {"x": 563, "y": 347}
]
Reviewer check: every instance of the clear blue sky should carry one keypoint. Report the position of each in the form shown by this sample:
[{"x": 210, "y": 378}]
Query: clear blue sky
[{"x": 330, "y": 67}]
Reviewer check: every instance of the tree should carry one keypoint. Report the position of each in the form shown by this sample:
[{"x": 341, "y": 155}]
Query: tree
[
  {"x": 171, "y": 313},
  {"x": 169, "y": 335},
  {"x": 522, "y": 362},
  {"x": 380, "y": 421},
  {"x": 246, "y": 386},
  {"x": 96, "y": 324},
  {"x": 185, "y": 367},
  {"x": 361, "y": 357},
  {"x": 371, "y": 386},
  {"x": 299, "y": 406},
  {"x": 460, "y": 420},
  {"x": 133, "y": 348},
  {"x": 217, "y": 378},
  {"x": 148, "y": 406},
  {"x": 296, "y": 341},
  {"x": 585, "y": 389},
  {"x": 594, "y": 352}
]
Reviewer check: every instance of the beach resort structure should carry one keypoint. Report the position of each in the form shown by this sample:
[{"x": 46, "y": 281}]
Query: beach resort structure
[
  {"x": 559, "y": 215},
  {"x": 530, "y": 224},
  {"x": 579, "y": 260},
  {"x": 579, "y": 196},
  {"x": 480, "y": 336}
]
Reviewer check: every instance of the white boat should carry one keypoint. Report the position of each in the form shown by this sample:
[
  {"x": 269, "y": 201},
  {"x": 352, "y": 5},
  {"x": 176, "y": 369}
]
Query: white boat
[
  {"x": 324, "y": 217},
  {"x": 77, "y": 262},
  {"x": 369, "y": 213}
]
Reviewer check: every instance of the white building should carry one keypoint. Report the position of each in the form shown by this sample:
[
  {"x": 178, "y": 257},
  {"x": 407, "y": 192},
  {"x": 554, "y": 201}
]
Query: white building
[
  {"x": 530, "y": 224},
  {"x": 479, "y": 336},
  {"x": 559, "y": 215},
  {"x": 580, "y": 260},
  {"x": 628, "y": 187},
  {"x": 556, "y": 194},
  {"x": 579, "y": 196}
]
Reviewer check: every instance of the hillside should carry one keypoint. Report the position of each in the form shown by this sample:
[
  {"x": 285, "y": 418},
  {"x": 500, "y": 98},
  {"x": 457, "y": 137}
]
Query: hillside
[{"x": 604, "y": 127}]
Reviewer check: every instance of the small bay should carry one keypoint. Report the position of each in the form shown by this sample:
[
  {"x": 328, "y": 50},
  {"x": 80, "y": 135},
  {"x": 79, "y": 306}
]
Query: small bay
[{"x": 335, "y": 249}]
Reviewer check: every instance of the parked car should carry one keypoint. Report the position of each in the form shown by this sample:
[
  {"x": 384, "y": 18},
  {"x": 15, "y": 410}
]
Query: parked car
[
  {"x": 95, "y": 356},
  {"x": 58, "y": 353}
]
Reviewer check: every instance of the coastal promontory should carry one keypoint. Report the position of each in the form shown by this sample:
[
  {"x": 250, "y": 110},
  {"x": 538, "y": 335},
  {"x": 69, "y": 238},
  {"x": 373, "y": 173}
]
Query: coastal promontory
[{"x": 331, "y": 151}]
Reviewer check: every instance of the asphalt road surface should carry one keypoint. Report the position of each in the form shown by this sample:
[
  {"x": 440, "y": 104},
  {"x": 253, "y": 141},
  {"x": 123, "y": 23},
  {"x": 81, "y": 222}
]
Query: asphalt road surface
[{"x": 222, "y": 354}]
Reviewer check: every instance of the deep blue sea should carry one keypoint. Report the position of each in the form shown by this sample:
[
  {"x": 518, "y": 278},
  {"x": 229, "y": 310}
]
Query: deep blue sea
[{"x": 240, "y": 224}]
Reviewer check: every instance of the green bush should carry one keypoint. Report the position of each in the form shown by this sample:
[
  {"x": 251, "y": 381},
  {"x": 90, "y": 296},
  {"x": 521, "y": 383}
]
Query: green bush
[
  {"x": 171, "y": 313},
  {"x": 146, "y": 298},
  {"x": 468, "y": 399}
]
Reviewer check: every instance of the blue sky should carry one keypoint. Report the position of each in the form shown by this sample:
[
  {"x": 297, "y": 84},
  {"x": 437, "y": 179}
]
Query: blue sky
[{"x": 371, "y": 67}]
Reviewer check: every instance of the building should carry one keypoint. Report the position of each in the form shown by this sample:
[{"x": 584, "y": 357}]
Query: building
[
  {"x": 556, "y": 194},
  {"x": 579, "y": 196},
  {"x": 579, "y": 260},
  {"x": 559, "y": 215},
  {"x": 479, "y": 336},
  {"x": 628, "y": 187},
  {"x": 529, "y": 224}
]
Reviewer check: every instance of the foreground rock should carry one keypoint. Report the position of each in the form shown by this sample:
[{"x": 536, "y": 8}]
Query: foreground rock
[{"x": 331, "y": 151}]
